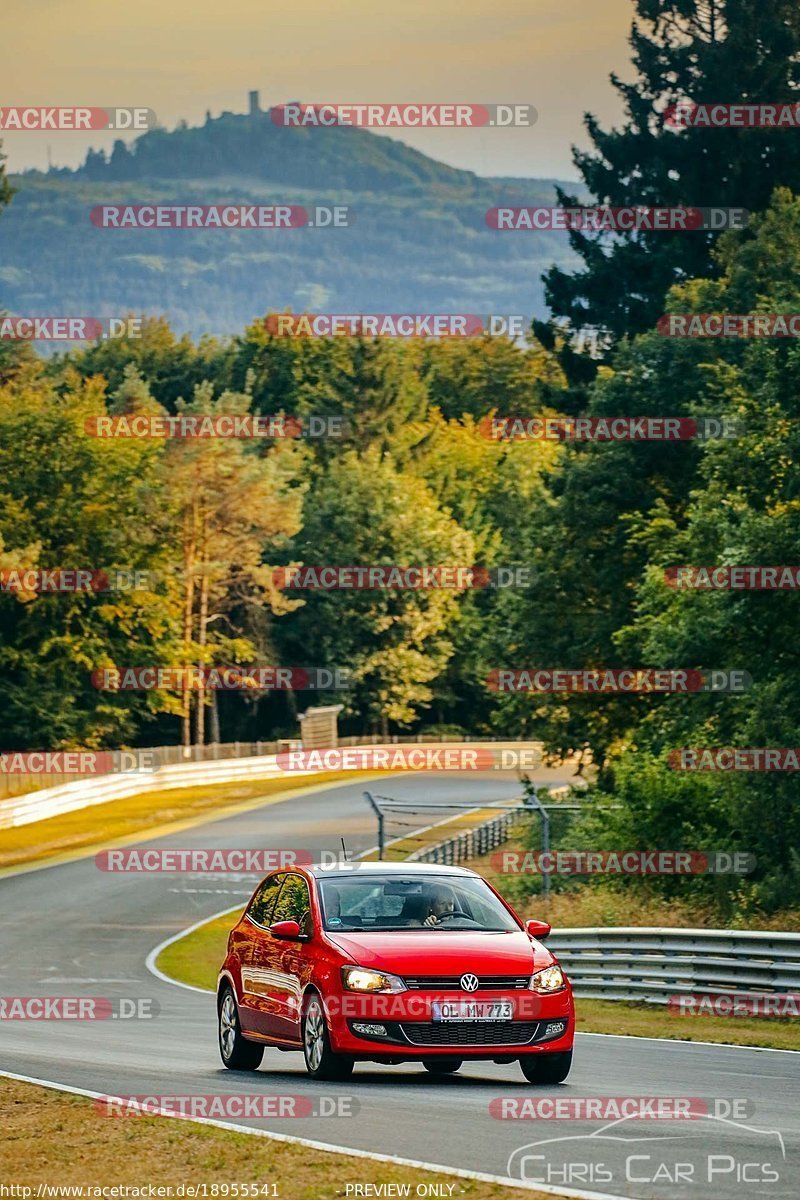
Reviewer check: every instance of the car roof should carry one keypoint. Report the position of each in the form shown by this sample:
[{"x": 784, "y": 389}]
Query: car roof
[{"x": 325, "y": 871}]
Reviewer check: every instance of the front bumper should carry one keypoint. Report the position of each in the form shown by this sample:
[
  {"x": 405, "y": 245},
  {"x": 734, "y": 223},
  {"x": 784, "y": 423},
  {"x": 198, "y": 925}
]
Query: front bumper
[{"x": 401, "y": 1026}]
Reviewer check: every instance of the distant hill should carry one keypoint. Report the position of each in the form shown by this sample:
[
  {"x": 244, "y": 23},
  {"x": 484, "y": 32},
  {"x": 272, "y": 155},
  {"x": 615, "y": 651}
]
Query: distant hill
[{"x": 419, "y": 242}]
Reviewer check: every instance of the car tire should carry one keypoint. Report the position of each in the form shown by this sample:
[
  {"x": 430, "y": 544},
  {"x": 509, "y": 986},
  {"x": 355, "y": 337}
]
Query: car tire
[
  {"x": 546, "y": 1068},
  {"x": 321, "y": 1061},
  {"x": 442, "y": 1066},
  {"x": 236, "y": 1052}
]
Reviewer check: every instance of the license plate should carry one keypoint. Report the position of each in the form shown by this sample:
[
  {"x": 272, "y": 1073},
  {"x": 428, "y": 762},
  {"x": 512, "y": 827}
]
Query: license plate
[{"x": 472, "y": 1010}]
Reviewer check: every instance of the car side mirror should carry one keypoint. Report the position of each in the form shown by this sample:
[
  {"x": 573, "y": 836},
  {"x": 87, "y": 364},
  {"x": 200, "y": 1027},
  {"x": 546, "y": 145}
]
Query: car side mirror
[
  {"x": 534, "y": 929},
  {"x": 288, "y": 930}
]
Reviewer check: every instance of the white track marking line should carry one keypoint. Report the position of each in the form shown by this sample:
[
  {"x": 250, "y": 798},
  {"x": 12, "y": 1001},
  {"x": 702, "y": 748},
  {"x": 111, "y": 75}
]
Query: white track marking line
[
  {"x": 150, "y": 961},
  {"x": 641, "y": 1037},
  {"x": 329, "y": 1148}
]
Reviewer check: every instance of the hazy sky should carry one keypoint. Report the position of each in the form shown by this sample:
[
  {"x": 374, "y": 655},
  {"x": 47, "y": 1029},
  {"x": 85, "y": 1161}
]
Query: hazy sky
[{"x": 181, "y": 57}]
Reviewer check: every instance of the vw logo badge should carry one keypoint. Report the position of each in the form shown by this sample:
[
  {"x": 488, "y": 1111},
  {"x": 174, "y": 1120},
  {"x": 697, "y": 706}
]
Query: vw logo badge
[{"x": 469, "y": 983}]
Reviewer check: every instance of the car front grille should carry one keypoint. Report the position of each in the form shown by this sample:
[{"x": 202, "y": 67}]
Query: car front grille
[
  {"x": 467, "y": 1033},
  {"x": 486, "y": 983}
]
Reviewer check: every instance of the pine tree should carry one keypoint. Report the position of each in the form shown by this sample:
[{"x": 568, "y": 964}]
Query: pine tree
[
  {"x": 6, "y": 190},
  {"x": 705, "y": 51}
]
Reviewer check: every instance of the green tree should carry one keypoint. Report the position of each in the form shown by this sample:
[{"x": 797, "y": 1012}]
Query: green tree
[
  {"x": 6, "y": 190},
  {"x": 735, "y": 502},
  {"x": 744, "y": 510},
  {"x": 228, "y": 503},
  {"x": 68, "y": 500},
  {"x": 494, "y": 489},
  {"x": 171, "y": 366},
  {"x": 704, "y": 51},
  {"x": 610, "y": 500},
  {"x": 362, "y": 510}
]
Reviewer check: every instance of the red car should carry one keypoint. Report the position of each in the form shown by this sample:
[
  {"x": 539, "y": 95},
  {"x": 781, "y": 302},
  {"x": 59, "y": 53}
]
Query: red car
[{"x": 391, "y": 962}]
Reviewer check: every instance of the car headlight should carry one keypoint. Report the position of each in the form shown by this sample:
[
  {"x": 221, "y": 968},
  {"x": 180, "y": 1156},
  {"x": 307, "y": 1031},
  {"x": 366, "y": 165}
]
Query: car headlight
[
  {"x": 551, "y": 979},
  {"x": 359, "y": 979}
]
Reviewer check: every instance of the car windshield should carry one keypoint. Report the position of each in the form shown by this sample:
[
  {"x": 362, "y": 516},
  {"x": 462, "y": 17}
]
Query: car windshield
[{"x": 385, "y": 903}]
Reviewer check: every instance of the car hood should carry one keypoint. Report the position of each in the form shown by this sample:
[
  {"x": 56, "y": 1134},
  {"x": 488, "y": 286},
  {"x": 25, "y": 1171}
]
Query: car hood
[{"x": 420, "y": 952}]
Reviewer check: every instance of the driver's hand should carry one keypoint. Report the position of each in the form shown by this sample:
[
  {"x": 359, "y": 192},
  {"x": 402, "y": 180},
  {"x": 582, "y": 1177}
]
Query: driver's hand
[{"x": 431, "y": 920}]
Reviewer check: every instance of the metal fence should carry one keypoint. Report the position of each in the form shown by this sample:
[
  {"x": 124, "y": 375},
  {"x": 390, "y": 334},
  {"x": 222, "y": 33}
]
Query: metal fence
[
  {"x": 232, "y": 763},
  {"x": 480, "y": 839},
  {"x": 654, "y": 964},
  {"x": 158, "y": 756},
  {"x": 100, "y": 789}
]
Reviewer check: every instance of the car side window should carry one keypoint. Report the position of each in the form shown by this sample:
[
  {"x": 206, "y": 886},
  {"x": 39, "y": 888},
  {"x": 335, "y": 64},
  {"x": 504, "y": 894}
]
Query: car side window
[
  {"x": 263, "y": 902},
  {"x": 294, "y": 903}
]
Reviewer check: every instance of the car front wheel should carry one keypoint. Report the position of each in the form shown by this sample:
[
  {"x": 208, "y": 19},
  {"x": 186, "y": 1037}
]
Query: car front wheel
[
  {"x": 321, "y": 1061},
  {"x": 237, "y": 1054},
  {"x": 546, "y": 1068}
]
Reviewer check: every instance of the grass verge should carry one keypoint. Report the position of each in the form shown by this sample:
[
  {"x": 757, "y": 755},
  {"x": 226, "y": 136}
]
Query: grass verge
[
  {"x": 54, "y": 1138},
  {"x": 117, "y": 820},
  {"x": 196, "y": 958},
  {"x": 652, "y": 1020},
  {"x": 606, "y": 902}
]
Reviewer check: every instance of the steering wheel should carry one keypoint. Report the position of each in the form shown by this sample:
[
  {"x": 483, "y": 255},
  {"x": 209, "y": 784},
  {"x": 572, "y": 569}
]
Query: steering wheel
[{"x": 462, "y": 916}]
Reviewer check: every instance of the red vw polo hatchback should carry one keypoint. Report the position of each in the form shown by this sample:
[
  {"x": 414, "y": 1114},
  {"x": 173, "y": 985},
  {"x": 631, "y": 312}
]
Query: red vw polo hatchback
[{"x": 391, "y": 962}]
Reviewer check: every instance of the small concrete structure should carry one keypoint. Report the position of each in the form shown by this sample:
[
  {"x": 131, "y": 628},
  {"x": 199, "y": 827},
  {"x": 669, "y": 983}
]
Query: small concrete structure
[{"x": 319, "y": 728}]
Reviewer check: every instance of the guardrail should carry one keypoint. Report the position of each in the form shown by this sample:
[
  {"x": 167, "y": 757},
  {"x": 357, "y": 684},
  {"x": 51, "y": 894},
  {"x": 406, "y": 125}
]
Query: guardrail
[
  {"x": 13, "y": 784},
  {"x": 99, "y": 789},
  {"x": 22, "y": 784},
  {"x": 83, "y": 793},
  {"x": 652, "y": 964}
]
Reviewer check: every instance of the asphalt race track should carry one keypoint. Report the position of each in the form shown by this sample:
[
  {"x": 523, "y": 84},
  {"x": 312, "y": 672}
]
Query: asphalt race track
[{"x": 74, "y": 930}]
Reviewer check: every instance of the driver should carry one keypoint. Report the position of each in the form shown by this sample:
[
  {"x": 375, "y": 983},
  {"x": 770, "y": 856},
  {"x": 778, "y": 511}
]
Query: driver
[{"x": 442, "y": 902}]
